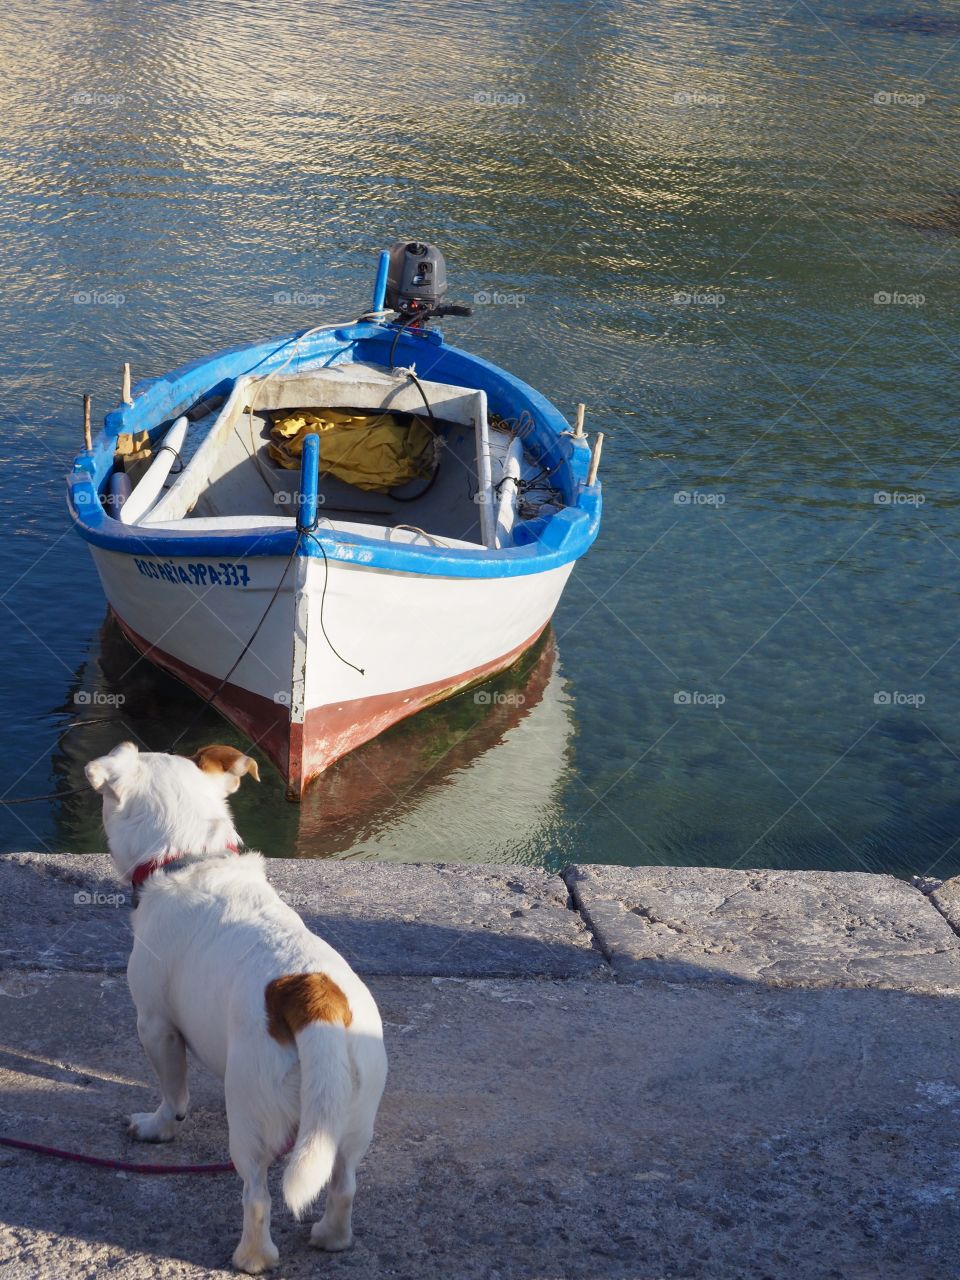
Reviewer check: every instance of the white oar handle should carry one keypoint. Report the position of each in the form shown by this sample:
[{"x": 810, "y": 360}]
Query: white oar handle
[{"x": 148, "y": 490}]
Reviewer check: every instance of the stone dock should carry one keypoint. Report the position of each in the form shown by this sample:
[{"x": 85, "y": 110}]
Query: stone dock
[{"x": 620, "y": 1074}]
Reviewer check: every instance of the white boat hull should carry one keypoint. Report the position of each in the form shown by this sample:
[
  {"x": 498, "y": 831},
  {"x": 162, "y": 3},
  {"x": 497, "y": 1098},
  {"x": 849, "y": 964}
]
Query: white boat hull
[{"x": 345, "y": 651}]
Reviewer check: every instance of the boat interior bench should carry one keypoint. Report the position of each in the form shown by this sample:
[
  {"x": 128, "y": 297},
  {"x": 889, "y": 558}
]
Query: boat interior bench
[{"x": 231, "y": 479}]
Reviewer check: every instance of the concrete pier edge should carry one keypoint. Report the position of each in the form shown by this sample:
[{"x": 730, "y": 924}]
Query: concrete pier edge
[
  {"x": 604, "y": 1073},
  {"x": 676, "y": 924}
]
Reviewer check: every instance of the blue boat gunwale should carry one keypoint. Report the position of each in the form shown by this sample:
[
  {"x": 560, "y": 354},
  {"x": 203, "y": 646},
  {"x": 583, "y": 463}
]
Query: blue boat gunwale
[{"x": 542, "y": 544}]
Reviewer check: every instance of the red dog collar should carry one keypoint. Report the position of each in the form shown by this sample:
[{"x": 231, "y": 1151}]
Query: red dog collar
[{"x": 146, "y": 869}]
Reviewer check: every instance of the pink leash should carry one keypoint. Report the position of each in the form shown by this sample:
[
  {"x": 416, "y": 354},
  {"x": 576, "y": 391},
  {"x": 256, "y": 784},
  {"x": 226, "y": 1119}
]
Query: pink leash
[{"x": 102, "y": 1163}]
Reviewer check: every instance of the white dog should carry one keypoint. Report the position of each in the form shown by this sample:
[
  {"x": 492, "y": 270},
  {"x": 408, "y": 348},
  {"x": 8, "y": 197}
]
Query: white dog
[{"x": 220, "y": 964}]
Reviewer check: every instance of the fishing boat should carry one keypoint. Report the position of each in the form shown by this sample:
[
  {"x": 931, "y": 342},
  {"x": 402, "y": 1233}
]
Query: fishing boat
[{"x": 323, "y": 534}]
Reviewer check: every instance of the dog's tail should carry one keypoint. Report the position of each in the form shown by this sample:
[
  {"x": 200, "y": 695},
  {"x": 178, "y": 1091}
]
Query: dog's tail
[{"x": 312, "y": 1009}]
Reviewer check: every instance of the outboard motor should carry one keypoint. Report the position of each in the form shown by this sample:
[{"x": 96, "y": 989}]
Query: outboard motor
[
  {"x": 417, "y": 279},
  {"x": 417, "y": 283}
]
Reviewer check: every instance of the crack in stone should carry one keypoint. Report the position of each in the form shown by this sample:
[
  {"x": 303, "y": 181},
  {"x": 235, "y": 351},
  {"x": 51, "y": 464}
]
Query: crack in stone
[{"x": 647, "y": 914}]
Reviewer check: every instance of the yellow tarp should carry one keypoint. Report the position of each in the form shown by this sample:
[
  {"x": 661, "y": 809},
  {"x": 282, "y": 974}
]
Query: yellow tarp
[{"x": 375, "y": 451}]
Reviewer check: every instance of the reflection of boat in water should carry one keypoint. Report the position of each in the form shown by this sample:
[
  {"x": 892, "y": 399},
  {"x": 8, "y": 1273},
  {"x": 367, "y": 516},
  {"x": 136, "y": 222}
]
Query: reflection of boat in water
[
  {"x": 474, "y": 778},
  {"x": 115, "y": 695}
]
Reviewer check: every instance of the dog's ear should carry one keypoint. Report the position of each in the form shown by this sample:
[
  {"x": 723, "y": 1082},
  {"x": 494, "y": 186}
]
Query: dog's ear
[
  {"x": 220, "y": 759},
  {"x": 112, "y": 773}
]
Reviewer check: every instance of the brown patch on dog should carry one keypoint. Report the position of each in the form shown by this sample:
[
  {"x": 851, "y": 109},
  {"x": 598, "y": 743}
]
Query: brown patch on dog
[
  {"x": 298, "y": 998},
  {"x": 221, "y": 759}
]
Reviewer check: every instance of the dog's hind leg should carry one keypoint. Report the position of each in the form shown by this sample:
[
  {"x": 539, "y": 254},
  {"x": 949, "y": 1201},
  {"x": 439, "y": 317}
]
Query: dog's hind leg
[
  {"x": 334, "y": 1231},
  {"x": 165, "y": 1048},
  {"x": 256, "y": 1252},
  {"x": 251, "y": 1153}
]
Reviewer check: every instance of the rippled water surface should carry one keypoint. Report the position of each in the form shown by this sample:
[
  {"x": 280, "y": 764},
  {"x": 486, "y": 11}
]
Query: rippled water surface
[{"x": 730, "y": 229}]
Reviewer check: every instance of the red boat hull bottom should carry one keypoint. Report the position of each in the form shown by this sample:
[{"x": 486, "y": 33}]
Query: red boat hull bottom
[{"x": 302, "y": 751}]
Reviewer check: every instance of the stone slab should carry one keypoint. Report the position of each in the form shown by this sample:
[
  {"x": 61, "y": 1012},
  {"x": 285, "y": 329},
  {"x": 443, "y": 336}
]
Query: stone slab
[
  {"x": 63, "y": 911},
  {"x": 946, "y": 898},
  {"x": 780, "y": 928},
  {"x": 531, "y": 1130}
]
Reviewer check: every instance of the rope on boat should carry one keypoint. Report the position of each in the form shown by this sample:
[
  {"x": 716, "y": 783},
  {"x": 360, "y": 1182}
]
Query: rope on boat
[
  {"x": 246, "y": 648},
  {"x": 176, "y": 457},
  {"x": 323, "y": 596},
  {"x": 415, "y": 497},
  {"x": 415, "y": 528}
]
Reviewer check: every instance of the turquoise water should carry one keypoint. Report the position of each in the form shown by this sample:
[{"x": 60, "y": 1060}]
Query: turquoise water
[{"x": 695, "y": 212}]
